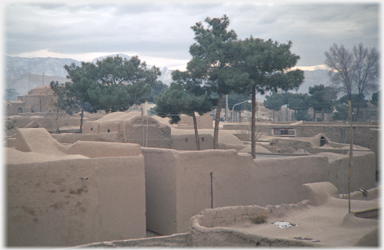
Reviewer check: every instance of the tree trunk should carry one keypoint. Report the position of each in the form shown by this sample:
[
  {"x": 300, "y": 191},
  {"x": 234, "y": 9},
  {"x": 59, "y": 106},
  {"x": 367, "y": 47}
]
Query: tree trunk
[
  {"x": 322, "y": 114},
  {"x": 273, "y": 119},
  {"x": 253, "y": 124},
  {"x": 81, "y": 119},
  {"x": 196, "y": 132},
  {"x": 357, "y": 110},
  {"x": 226, "y": 108},
  {"x": 217, "y": 120},
  {"x": 314, "y": 115},
  {"x": 57, "y": 121},
  {"x": 350, "y": 155}
]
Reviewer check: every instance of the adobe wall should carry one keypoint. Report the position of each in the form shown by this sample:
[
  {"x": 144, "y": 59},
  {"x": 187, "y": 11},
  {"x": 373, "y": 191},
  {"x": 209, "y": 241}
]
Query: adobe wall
[
  {"x": 59, "y": 195},
  {"x": 47, "y": 120},
  {"x": 187, "y": 141},
  {"x": 160, "y": 194},
  {"x": 203, "y": 121},
  {"x": 74, "y": 137},
  {"x": 363, "y": 135},
  {"x": 153, "y": 134},
  {"x": 128, "y": 127},
  {"x": 236, "y": 179},
  {"x": 49, "y": 204}
]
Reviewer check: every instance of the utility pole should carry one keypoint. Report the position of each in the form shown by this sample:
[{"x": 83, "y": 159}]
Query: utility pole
[
  {"x": 350, "y": 155},
  {"x": 142, "y": 122},
  {"x": 43, "y": 78},
  {"x": 29, "y": 80},
  {"x": 226, "y": 107},
  {"x": 253, "y": 123}
]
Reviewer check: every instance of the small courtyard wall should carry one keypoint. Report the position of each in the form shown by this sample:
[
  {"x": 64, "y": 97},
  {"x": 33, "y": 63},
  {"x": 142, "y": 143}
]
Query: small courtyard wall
[
  {"x": 74, "y": 137},
  {"x": 131, "y": 127},
  {"x": 52, "y": 204},
  {"x": 362, "y": 170},
  {"x": 160, "y": 194},
  {"x": 152, "y": 134},
  {"x": 363, "y": 135},
  {"x": 47, "y": 120},
  {"x": 187, "y": 141},
  {"x": 220, "y": 178},
  {"x": 59, "y": 195},
  {"x": 203, "y": 121}
]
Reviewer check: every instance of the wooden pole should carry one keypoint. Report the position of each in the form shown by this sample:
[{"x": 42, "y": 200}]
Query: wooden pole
[
  {"x": 253, "y": 123},
  {"x": 350, "y": 155},
  {"x": 142, "y": 123}
]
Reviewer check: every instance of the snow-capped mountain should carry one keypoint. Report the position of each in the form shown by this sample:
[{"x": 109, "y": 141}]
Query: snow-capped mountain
[
  {"x": 17, "y": 66},
  {"x": 111, "y": 55},
  {"x": 166, "y": 74},
  {"x": 23, "y": 73},
  {"x": 312, "y": 78}
]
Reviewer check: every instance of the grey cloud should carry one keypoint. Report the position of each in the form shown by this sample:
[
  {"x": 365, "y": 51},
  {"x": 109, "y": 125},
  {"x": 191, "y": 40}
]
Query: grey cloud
[{"x": 163, "y": 29}]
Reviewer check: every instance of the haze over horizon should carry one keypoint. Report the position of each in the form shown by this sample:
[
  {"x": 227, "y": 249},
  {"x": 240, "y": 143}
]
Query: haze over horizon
[{"x": 160, "y": 33}]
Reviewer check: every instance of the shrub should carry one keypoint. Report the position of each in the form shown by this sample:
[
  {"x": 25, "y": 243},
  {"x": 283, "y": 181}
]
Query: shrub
[{"x": 259, "y": 218}]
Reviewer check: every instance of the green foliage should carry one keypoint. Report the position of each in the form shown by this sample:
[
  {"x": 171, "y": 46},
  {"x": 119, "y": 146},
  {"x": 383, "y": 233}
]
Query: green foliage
[
  {"x": 62, "y": 100},
  {"x": 375, "y": 98},
  {"x": 112, "y": 84},
  {"x": 235, "y": 98},
  {"x": 358, "y": 101},
  {"x": 299, "y": 103},
  {"x": 10, "y": 94},
  {"x": 266, "y": 64},
  {"x": 184, "y": 96},
  {"x": 274, "y": 101},
  {"x": 157, "y": 89},
  {"x": 259, "y": 218},
  {"x": 322, "y": 97}
]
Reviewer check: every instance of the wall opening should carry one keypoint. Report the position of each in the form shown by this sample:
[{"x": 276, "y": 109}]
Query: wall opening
[
  {"x": 322, "y": 141},
  {"x": 284, "y": 132}
]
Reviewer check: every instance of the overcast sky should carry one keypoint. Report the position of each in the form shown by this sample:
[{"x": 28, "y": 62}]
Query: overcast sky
[{"x": 160, "y": 34}]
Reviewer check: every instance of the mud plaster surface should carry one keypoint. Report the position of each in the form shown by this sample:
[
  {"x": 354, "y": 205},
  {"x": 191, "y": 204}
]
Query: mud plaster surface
[{"x": 326, "y": 225}]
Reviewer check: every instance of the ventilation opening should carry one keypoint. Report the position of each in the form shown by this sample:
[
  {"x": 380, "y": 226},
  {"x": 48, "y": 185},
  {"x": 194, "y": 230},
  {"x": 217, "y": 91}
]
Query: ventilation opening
[
  {"x": 202, "y": 139},
  {"x": 108, "y": 130},
  {"x": 186, "y": 139},
  {"x": 91, "y": 129},
  {"x": 322, "y": 141}
]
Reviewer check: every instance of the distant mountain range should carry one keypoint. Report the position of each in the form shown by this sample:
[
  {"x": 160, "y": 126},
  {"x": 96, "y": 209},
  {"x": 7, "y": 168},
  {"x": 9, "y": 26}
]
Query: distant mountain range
[
  {"x": 28, "y": 73},
  {"x": 24, "y": 73}
]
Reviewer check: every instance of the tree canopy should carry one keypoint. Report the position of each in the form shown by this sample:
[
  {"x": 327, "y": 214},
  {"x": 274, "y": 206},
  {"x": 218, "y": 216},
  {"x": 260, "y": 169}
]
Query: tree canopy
[
  {"x": 112, "y": 84},
  {"x": 62, "y": 102},
  {"x": 213, "y": 56},
  {"x": 358, "y": 101},
  {"x": 375, "y": 98},
  {"x": 274, "y": 102},
  {"x": 267, "y": 66},
  {"x": 322, "y": 99},
  {"x": 355, "y": 72},
  {"x": 184, "y": 96},
  {"x": 299, "y": 103}
]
